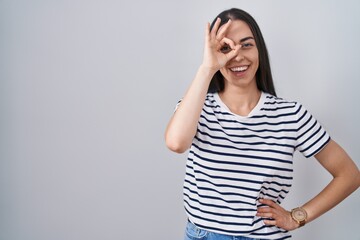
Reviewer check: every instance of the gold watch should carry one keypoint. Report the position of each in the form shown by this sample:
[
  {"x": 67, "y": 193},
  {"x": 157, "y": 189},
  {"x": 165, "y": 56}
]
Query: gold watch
[{"x": 299, "y": 215}]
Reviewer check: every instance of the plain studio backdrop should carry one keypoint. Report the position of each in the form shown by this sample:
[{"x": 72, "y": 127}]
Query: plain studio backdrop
[{"x": 87, "y": 88}]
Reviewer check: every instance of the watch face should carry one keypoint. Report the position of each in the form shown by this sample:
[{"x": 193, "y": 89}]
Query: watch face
[{"x": 299, "y": 214}]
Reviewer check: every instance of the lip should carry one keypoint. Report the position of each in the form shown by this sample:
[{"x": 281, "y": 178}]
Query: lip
[
  {"x": 239, "y": 74},
  {"x": 243, "y": 65}
]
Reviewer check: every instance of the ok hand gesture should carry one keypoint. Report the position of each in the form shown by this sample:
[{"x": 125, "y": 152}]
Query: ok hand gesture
[{"x": 218, "y": 49}]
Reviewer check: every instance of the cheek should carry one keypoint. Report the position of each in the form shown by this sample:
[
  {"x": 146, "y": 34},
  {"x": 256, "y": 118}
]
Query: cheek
[
  {"x": 255, "y": 58},
  {"x": 223, "y": 71},
  {"x": 255, "y": 55}
]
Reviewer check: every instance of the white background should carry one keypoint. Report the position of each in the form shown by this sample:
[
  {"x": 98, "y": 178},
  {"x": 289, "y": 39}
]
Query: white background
[{"x": 87, "y": 88}]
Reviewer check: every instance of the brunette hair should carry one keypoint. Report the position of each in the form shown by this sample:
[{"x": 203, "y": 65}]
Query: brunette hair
[{"x": 263, "y": 75}]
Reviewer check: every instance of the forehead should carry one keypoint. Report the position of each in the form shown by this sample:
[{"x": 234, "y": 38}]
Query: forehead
[{"x": 238, "y": 30}]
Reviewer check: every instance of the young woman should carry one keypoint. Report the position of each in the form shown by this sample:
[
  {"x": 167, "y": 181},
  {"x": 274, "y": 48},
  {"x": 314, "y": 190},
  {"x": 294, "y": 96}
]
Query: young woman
[{"x": 242, "y": 139}]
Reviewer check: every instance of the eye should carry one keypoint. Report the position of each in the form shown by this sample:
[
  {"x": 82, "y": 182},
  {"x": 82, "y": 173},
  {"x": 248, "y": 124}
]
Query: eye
[
  {"x": 247, "y": 45},
  {"x": 225, "y": 49}
]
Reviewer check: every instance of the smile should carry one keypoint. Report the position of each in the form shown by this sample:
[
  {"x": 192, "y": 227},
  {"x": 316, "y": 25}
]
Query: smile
[{"x": 239, "y": 69}]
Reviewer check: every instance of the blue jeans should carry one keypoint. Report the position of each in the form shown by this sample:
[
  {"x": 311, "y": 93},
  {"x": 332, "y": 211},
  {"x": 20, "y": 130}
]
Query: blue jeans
[{"x": 192, "y": 232}]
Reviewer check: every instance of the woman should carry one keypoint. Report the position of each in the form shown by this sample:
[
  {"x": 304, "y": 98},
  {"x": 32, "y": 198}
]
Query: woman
[{"x": 242, "y": 139}]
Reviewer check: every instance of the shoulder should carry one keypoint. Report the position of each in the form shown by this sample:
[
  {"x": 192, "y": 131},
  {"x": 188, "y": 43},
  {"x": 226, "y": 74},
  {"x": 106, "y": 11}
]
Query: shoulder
[
  {"x": 282, "y": 108},
  {"x": 276, "y": 100},
  {"x": 275, "y": 103},
  {"x": 211, "y": 100},
  {"x": 210, "y": 97}
]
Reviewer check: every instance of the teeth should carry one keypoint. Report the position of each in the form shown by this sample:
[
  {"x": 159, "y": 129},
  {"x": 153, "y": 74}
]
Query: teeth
[{"x": 239, "y": 69}]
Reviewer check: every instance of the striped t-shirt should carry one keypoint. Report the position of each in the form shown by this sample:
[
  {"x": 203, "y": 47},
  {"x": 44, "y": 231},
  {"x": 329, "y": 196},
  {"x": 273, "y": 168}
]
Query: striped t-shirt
[{"x": 235, "y": 160}]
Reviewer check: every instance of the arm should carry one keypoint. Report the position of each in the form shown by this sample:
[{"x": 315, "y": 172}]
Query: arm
[
  {"x": 346, "y": 179},
  {"x": 183, "y": 124}
]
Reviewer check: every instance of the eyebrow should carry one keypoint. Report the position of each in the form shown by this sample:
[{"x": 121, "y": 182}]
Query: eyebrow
[{"x": 247, "y": 38}]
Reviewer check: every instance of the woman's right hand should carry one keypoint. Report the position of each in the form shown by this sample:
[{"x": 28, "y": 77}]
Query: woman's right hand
[
  {"x": 183, "y": 125},
  {"x": 218, "y": 49}
]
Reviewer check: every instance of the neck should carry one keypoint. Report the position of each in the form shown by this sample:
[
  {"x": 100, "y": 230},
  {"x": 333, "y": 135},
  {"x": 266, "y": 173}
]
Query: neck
[{"x": 240, "y": 101}]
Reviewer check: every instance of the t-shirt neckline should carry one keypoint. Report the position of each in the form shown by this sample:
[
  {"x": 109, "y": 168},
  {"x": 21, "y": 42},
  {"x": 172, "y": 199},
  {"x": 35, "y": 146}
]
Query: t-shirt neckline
[{"x": 253, "y": 112}]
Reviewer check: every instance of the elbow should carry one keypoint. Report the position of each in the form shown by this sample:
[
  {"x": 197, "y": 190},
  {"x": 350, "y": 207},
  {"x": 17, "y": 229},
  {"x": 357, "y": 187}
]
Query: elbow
[
  {"x": 354, "y": 175},
  {"x": 357, "y": 180},
  {"x": 176, "y": 145},
  {"x": 353, "y": 179}
]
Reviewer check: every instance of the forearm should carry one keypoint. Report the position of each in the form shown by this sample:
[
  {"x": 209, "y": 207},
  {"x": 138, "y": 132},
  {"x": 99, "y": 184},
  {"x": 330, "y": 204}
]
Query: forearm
[
  {"x": 336, "y": 191},
  {"x": 346, "y": 179},
  {"x": 183, "y": 124}
]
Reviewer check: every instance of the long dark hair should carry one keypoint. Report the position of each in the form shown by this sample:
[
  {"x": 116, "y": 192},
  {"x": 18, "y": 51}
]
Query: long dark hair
[{"x": 263, "y": 75}]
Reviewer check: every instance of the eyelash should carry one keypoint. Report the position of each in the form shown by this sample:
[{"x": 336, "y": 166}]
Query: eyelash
[
  {"x": 247, "y": 45},
  {"x": 226, "y": 48}
]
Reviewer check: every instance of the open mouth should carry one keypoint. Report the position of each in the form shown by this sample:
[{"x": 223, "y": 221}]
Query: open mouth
[{"x": 239, "y": 69}]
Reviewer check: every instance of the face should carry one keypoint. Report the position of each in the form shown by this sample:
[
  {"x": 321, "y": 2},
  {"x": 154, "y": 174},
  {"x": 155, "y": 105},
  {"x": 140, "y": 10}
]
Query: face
[{"x": 240, "y": 71}]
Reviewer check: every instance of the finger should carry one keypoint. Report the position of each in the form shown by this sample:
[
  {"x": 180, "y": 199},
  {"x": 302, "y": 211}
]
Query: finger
[
  {"x": 222, "y": 31},
  {"x": 228, "y": 42},
  {"x": 270, "y": 222},
  {"x": 215, "y": 28},
  {"x": 265, "y": 215},
  {"x": 265, "y": 209},
  {"x": 207, "y": 31},
  {"x": 266, "y": 212},
  {"x": 233, "y": 53},
  {"x": 270, "y": 203}
]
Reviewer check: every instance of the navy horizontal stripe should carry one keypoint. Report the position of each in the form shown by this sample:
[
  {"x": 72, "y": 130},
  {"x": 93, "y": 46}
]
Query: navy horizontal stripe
[
  {"x": 227, "y": 222},
  {"x": 243, "y": 172},
  {"x": 244, "y": 142},
  {"x": 222, "y": 192},
  {"x": 273, "y": 103},
  {"x": 262, "y": 123},
  {"x": 275, "y": 190},
  {"x": 217, "y": 206},
  {"x": 244, "y": 156},
  {"x": 271, "y": 196},
  {"x": 265, "y": 130},
  {"x": 309, "y": 128},
  {"x": 243, "y": 149},
  {"x": 240, "y": 180},
  {"x": 210, "y": 99},
  {"x": 219, "y": 198},
  {"x": 224, "y": 185},
  {"x": 277, "y": 108},
  {"x": 217, "y": 213},
  {"x": 222, "y": 162},
  {"x": 319, "y": 148},
  {"x": 310, "y": 138},
  {"x": 279, "y": 115},
  {"x": 252, "y": 124},
  {"x": 213, "y": 111}
]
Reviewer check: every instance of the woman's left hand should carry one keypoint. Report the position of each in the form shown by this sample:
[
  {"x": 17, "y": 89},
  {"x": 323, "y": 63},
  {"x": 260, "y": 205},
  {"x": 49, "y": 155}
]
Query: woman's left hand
[{"x": 276, "y": 215}]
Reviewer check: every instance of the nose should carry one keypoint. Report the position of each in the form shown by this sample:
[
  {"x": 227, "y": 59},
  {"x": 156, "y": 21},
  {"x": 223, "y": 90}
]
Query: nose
[{"x": 239, "y": 56}]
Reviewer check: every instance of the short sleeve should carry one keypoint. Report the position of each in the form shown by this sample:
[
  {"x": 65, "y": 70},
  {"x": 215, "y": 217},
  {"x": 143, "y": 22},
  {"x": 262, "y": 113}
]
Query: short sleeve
[
  {"x": 311, "y": 136},
  {"x": 177, "y": 105}
]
